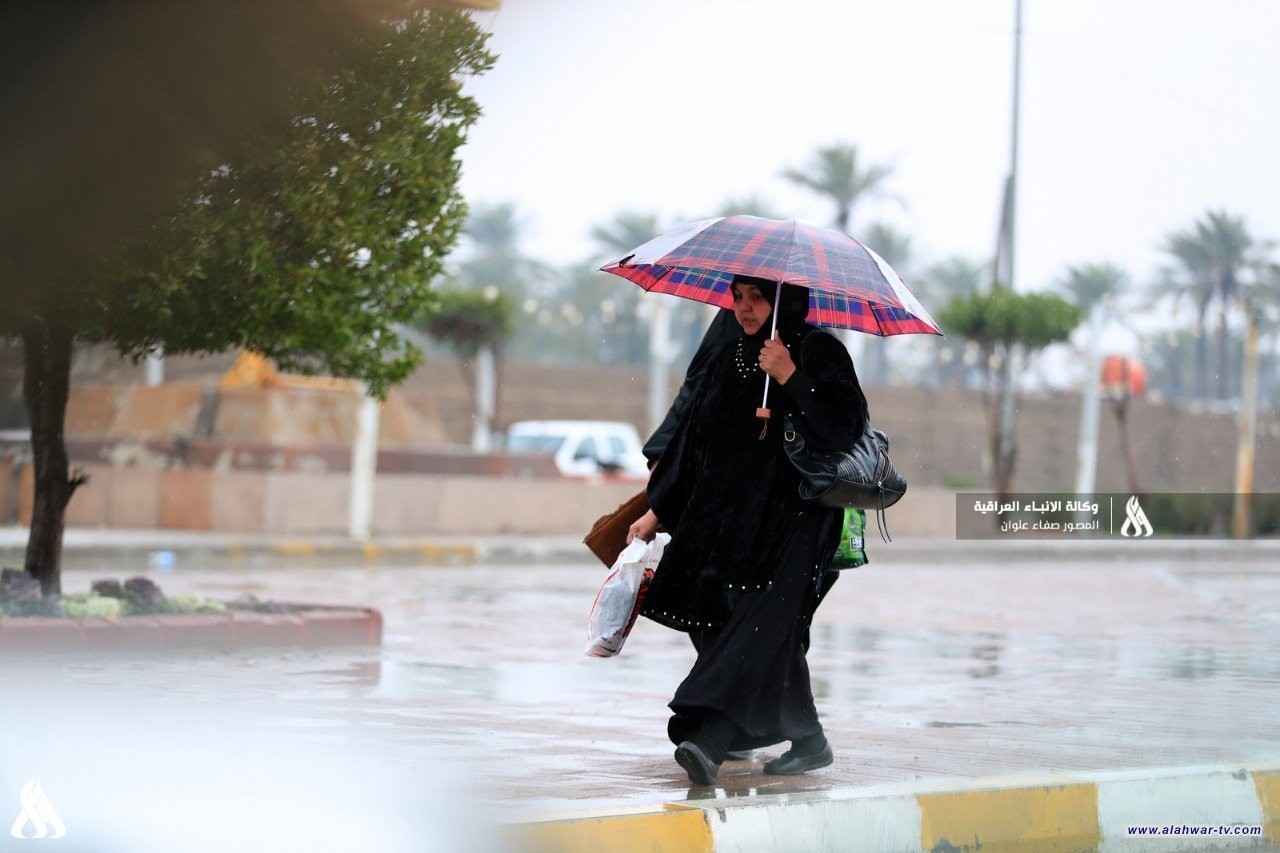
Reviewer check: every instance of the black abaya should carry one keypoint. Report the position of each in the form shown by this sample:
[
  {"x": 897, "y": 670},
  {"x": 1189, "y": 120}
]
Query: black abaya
[{"x": 743, "y": 570}]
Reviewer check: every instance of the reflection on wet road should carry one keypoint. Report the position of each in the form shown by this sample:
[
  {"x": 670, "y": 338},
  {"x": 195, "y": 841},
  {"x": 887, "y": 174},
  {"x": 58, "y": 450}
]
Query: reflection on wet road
[{"x": 921, "y": 671}]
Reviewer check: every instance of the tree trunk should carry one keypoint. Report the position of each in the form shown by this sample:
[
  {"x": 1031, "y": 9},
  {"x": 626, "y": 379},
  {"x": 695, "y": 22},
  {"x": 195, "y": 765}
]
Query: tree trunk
[
  {"x": 1202, "y": 358},
  {"x": 1001, "y": 448},
  {"x": 1005, "y": 448},
  {"x": 45, "y": 386},
  {"x": 1005, "y": 454},
  {"x": 499, "y": 377},
  {"x": 1222, "y": 380},
  {"x": 1126, "y": 446}
]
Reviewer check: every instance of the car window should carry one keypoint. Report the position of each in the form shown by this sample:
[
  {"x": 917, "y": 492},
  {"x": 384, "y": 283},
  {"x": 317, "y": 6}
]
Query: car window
[
  {"x": 617, "y": 447},
  {"x": 535, "y": 443},
  {"x": 587, "y": 450}
]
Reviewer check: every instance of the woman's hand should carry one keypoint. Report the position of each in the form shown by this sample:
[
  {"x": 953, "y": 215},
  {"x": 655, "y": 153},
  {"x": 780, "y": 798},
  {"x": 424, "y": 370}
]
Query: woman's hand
[
  {"x": 643, "y": 528},
  {"x": 775, "y": 360}
]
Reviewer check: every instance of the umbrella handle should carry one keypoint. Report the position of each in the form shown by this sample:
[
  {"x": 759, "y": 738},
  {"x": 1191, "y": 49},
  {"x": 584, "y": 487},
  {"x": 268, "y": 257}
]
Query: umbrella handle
[{"x": 763, "y": 413}]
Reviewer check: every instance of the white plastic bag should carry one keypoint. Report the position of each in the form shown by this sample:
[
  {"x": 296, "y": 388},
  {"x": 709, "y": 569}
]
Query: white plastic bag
[{"x": 618, "y": 603}]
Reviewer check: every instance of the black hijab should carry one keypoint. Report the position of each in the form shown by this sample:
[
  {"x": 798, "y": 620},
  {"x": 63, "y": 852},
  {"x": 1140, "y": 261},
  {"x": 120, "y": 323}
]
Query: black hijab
[{"x": 792, "y": 327}]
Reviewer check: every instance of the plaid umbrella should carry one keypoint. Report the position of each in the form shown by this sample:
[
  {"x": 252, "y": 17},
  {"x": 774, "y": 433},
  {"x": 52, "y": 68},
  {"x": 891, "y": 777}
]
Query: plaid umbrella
[{"x": 850, "y": 286}]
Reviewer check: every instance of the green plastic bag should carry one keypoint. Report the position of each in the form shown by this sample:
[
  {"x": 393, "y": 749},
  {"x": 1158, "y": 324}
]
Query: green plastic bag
[{"x": 851, "y": 552}]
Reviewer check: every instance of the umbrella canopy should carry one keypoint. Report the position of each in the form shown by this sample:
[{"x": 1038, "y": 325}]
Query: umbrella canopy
[{"x": 850, "y": 286}]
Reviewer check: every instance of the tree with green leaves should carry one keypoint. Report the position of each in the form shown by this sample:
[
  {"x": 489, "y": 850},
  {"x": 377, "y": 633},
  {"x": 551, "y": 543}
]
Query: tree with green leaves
[
  {"x": 471, "y": 320},
  {"x": 309, "y": 248},
  {"x": 836, "y": 174},
  {"x": 1006, "y": 327},
  {"x": 476, "y": 325}
]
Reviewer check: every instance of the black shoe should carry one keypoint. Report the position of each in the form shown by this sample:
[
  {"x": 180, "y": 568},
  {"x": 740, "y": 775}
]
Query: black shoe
[
  {"x": 701, "y": 769},
  {"x": 790, "y": 764},
  {"x": 738, "y": 754}
]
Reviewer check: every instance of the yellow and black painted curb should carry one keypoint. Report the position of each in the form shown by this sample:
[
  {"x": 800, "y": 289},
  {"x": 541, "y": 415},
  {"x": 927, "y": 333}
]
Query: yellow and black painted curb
[
  {"x": 431, "y": 553},
  {"x": 427, "y": 552},
  {"x": 1224, "y": 807}
]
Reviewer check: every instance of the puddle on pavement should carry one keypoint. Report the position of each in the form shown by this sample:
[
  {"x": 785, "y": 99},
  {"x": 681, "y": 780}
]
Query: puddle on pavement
[{"x": 484, "y": 667}]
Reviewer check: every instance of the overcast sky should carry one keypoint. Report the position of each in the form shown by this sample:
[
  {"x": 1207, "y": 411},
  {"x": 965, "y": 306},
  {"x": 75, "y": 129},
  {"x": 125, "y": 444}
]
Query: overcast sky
[{"x": 1137, "y": 117}]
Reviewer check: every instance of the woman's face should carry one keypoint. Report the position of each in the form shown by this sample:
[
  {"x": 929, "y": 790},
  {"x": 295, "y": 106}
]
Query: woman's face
[{"x": 750, "y": 307}]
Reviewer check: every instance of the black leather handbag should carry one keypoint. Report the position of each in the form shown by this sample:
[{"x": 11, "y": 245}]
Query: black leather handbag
[{"x": 861, "y": 477}]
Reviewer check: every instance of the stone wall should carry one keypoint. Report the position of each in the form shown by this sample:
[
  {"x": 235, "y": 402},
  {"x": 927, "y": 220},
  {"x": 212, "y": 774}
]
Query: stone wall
[
  {"x": 405, "y": 505},
  {"x": 939, "y": 436}
]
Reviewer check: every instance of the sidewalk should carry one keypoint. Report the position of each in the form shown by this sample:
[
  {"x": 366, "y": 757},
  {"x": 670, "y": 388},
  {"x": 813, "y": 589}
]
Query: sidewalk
[
  {"x": 83, "y": 544},
  {"x": 1009, "y": 696}
]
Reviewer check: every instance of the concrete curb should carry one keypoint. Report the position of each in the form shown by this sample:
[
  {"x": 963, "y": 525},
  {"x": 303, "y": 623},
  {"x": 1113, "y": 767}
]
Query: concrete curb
[
  {"x": 308, "y": 627},
  {"x": 1088, "y": 811}
]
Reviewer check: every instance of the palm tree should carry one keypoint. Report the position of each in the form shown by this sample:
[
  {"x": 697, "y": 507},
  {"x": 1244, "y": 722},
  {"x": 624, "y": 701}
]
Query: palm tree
[
  {"x": 889, "y": 243},
  {"x": 494, "y": 232},
  {"x": 627, "y": 230},
  {"x": 1093, "y": 283},
  {"x": 1266, "y": 305},
  {"x": 836, "y": 174},
  {"x": 937, "y": 285},
  {"x": 496, "y": 260},
  {"x": 627, "y": 333},
  {"x": 499, "y": 275},
  {"x": 1212, "y": 258},
  {"x": 750, "y": 205},
  {"x": 955, "y": 276},
  {"x": 1093, "y": 286}
]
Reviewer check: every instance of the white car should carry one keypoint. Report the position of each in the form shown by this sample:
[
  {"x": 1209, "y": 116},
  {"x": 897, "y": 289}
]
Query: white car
[{"x": 583, "y": 448}]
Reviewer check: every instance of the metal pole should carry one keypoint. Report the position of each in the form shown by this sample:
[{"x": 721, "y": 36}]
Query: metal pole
[
  {"x": 155, "y": 367},
  {"x": 1017, "y": 113},
  {"x": 486, "y": 399},
  {"x": 659, "y": 362},
  {"x": 763, "y": 412},
  {"x": 1087, "y": 449},
  {"x": 1242, "y": 504}
]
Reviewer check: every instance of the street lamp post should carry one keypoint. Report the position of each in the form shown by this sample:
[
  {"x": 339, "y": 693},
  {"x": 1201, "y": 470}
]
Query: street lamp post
[
  {"x": 1004, "y": 266},
  {"x": 364, "y": 465}
]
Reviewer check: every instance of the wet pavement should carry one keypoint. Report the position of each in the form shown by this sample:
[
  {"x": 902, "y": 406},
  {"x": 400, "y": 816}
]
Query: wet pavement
[{"x": 923, "y": 669}]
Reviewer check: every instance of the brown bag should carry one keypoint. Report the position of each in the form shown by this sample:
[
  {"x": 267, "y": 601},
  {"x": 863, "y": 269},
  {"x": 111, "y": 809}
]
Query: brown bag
[{"x": 608, "y": 535}]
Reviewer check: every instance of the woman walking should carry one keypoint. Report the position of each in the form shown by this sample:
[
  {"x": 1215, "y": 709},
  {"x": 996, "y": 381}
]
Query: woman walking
[{"x": 748, "y": 560}]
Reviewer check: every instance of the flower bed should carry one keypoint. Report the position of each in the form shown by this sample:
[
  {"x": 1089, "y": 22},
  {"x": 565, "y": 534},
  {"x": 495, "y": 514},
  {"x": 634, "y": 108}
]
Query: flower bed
[{"x": 136, "y": 616}]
